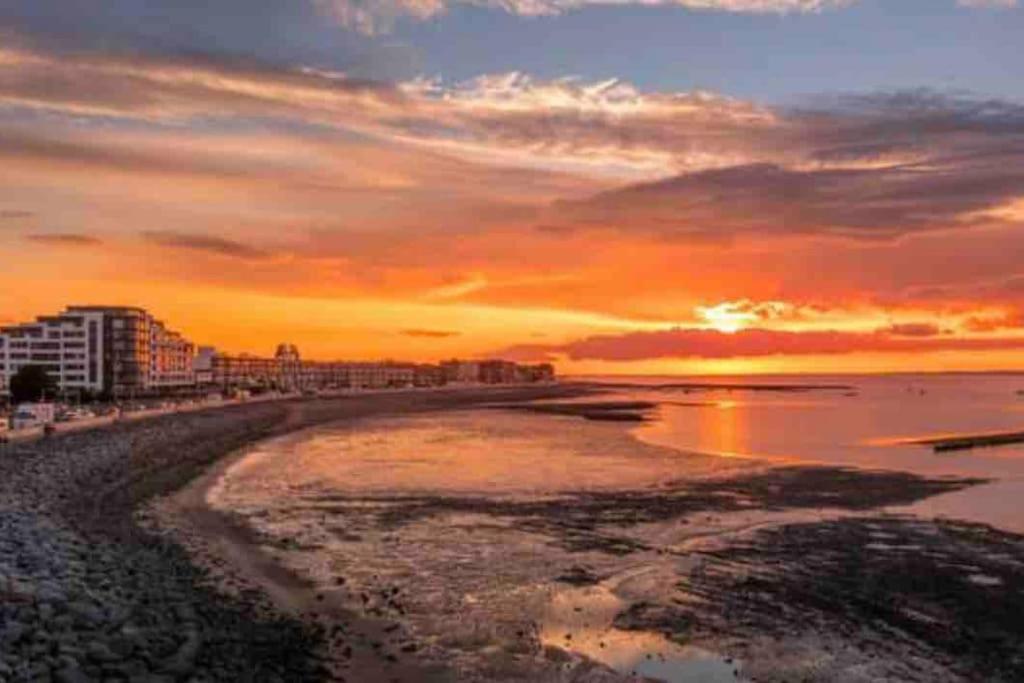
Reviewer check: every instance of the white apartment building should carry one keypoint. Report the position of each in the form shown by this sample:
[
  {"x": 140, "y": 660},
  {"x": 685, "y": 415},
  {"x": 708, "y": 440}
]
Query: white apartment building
[
  {"x": 68, "y": 346},
  {"x": 119, "y": 350}
]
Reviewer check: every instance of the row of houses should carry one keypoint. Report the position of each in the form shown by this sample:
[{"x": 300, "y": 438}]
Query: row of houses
[
  {"x": 286, "y": 370},
  {"x": 119, "y": 351}
]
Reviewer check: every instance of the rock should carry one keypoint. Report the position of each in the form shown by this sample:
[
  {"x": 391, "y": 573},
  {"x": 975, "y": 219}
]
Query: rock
[
  {"x": 122, "y": 646},
  {"x": 13, "y": 632},
  {"x": 183, "y": 661},
  {"x": 87, "y": 612},
  {"x": 99, "y": 652},
  {"x": 19, "y": 591},
  {"x": 72, "y": 674},
  {"x": 50, "y": 593},
  {"x": 151, "y": 678}
]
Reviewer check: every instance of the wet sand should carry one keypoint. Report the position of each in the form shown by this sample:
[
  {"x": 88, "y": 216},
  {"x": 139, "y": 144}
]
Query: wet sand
[
  {"x": 352, "y": 645},
  {"x": 768, "y": 574}
]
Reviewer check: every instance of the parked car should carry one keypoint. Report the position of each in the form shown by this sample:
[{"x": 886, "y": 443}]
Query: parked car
[
  {"x": 73, "y": 414},
  {"x": 29, "y": 415}
]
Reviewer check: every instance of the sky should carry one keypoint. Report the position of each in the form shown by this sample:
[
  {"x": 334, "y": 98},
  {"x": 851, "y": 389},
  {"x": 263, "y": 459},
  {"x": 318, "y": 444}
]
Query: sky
[{"x": 615, "y": 186}]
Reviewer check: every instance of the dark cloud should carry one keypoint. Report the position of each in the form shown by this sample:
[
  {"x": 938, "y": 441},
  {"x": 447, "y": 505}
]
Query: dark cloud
[
  {"x": 67, "y": 239},
  {"x": 15, "y": 214},
  {"x": 766, "y": 198},
  {"x": 20, "y": 142},
  {"x": 431, "y": 334},
  {"x": 157, "y": 88},
  {"x": 870, "y": 166},
  {"x": 209, "y": 244},
  {"x": 255, "y": 30},
  {"x": 682, "y": 343},
  {"x": 913, "y": 330}
]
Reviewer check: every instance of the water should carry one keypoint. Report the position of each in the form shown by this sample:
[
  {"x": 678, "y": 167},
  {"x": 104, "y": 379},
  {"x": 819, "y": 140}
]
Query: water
[
  {"x": 864, "y": 427},
  {"x": 455, "y": 509}
]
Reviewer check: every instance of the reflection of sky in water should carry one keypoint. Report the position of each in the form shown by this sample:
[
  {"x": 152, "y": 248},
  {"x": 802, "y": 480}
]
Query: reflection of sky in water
[
  {"x": 858, "y": 429},
  {"x": 467, "y": 452},
  {"x": 587, "y": 614},
  {"x": 836, "y": 428},
  {"x": 473, "y": 580}
]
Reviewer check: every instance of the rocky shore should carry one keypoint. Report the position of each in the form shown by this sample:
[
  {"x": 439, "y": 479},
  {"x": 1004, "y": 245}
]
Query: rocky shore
[{"x": 88, "y": 594}]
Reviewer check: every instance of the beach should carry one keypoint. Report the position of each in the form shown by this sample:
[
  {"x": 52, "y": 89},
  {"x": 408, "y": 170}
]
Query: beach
[
  {"x": 465, "y": 535},
  {"x": 88, "y": 591}
]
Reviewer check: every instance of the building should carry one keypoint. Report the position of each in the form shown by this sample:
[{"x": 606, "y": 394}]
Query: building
[
  {"x": 543, "y": 372},
  {"x": 119, "y": 351},
  {"x": 70, "y": 347},
  {"x": 494, "y": 371},
  {"x": 460, "y": 371},
  {"x": 171, "y": 359},
  {"x": 379, "y": 375},
  {"x": 498, "y": 372},
  {"x": 124, "y": 352},
  {"x": 286, "y": 371}
]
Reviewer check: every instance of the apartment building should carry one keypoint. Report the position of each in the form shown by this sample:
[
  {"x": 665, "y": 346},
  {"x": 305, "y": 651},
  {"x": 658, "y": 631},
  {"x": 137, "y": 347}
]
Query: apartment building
[
  {"x": 287, "y": 371},
  {"x": 494, "y": 371},
  {"x": 460, "y": 371},
  {"x": 171, "y": 358},
  {"x": 498, "y": 372},
  {"x": 117, "y": 350},
  {"x": 70, "y": 347}
]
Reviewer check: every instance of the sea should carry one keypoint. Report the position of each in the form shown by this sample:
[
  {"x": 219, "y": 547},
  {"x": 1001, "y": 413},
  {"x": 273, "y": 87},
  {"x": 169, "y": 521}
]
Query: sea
[{"x": 442, "y": 506}]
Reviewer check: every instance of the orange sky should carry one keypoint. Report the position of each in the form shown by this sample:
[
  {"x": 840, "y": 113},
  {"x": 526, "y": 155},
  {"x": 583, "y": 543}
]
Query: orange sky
[{"x": 509, "y": 215}]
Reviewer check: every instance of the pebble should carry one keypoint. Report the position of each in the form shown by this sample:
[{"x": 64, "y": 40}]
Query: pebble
[{"x": 87, "y": 595}]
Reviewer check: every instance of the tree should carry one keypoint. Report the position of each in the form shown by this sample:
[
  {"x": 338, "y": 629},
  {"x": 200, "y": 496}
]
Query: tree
[{"x": 32, "y": 383}]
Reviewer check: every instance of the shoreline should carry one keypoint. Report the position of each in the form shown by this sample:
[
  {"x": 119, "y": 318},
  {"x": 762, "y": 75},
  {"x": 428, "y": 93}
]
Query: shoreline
[
  {"x": 123, "y": 572},
  {"x": 88, "y": 592},
  {"x": 833, "y": 508}
]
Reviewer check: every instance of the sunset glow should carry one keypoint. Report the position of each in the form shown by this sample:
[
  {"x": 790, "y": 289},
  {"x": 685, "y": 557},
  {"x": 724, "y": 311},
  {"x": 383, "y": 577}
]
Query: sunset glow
[{"x": 363, "y": 189}]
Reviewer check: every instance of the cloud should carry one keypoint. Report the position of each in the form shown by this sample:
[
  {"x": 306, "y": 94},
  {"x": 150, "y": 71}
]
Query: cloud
[
  {"x": 430, "y": 334},
  {"x": 456, "y": 288},
  {"x": 374, "y": 17},
  {"x": 379, "y": 16},
  {"x": 913, "y": 330},
  {"x": 764, "y": 198},
  {"x": 988, "y": 4},
  {"x": 1011, "y": 320},
  {"x": 866, "y": 166},
  {"x": 218, "y": 246},
  {"x": 67, "y": 239},
  {"x": 901, "y": 143},
  {"x": 693, "y": 343}
]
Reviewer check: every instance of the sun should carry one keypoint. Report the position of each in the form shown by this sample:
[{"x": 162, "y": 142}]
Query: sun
[{"x": 727, "y": 317}]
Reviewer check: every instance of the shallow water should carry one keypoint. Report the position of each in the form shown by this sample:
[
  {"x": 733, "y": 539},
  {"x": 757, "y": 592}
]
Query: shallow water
[
  {"x": 419, "y": 504},
  {"x": 864, "y": 427}
]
